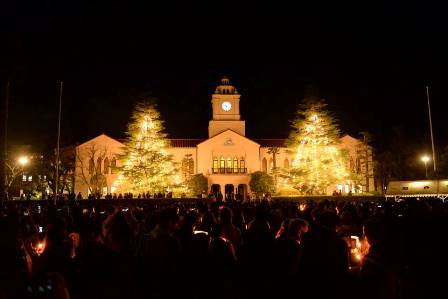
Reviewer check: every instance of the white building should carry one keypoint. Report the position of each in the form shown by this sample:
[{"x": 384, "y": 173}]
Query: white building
[{"x": 226, "y": 158}]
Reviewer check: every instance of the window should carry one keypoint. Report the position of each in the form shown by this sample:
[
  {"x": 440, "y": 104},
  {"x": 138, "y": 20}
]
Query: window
[
  {"x": 23, "y": 178},
  {"x": 215, "y": 165},
  {"x": 426, "y": 187},
  {"x": 286, "y": 163},
  {"x": 405, "y": 188},
  {"x": 271, "y": 165},
  {"x": 91, "y": 166},
  {"x": 235, "y": 165},
  {"x": 222, "y": 163},
  {"x": 113, "y": 165},
  {"x": 264, "y": 165},
  {"x": 229, "y": 163},
  {"x": 30, "y": 178},
  {"x": 242, "y": 165},
  {"x": 187, "y": 167},
  {"x": 106, "y": 166},
  {"x": 98, "y": 164}
]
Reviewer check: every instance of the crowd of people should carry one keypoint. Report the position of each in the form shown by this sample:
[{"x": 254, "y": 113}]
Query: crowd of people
[{"x": 226, "y": 250}]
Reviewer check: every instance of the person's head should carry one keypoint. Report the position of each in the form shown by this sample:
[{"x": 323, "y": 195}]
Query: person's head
[
  {"x": 56, "y": 231},
  {"x": 261, "y": 212},
  {"x": 226, "y": 215},
  {"x": 328, "y": 220},
  {"x": 208, "y": 221},
  {"x": 297, "y": 228},
  {"x": 118, "y": 233},
  {"x": 346, "y": 218},
  {"x": 375, "y": 231},
  {"x": 191, "y": 219},
  {"x": 293, "y": 228},
  {"x": 169, "y": 218}
]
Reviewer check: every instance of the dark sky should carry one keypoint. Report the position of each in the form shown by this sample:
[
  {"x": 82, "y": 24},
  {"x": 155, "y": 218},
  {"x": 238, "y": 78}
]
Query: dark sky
[{"x": 370, "y": 60}]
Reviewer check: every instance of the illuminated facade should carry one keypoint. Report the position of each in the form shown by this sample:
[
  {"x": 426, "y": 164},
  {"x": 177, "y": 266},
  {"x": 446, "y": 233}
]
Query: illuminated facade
[{"x": 226, "y": 158}]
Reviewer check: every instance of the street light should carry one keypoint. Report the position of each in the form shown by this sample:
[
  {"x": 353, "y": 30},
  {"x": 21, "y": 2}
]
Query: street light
[
  {"x": 23, "y": 160},
  {"x": 425, "y": 160}
]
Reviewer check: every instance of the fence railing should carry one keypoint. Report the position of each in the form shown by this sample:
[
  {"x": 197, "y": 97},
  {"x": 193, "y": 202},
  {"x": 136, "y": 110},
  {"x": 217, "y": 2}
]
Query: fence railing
[{"x": 228, "y": 170}]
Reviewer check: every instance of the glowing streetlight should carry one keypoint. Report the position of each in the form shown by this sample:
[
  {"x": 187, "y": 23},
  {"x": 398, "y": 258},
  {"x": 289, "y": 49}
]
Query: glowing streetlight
[
  {"x": 23, "y": 160},
  {"x": 425, "y": 160}
]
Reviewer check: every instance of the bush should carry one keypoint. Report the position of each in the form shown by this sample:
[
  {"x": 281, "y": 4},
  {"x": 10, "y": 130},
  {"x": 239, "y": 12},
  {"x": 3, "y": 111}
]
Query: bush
[
  {"x": 197, "y": 184},
  {"x": 261, "y": 182}
]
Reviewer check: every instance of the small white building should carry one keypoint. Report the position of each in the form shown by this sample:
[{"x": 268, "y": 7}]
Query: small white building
[{"x": 226, "y": 158}]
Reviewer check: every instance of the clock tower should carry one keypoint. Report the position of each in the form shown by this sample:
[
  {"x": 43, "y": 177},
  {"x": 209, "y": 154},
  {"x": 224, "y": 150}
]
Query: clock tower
[{"x": 226, "y": 110}]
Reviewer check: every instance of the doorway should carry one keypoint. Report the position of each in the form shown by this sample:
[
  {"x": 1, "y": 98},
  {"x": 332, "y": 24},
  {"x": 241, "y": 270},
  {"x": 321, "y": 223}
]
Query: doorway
[
  {"x": 215, "y": 189},
  {"x": 242, "y": 192},
  {"x": 229, "y": 192}
]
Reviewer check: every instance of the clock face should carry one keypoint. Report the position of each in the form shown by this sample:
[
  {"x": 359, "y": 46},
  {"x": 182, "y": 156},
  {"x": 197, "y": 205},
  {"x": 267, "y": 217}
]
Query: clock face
[{"x": 226, "y": 106}]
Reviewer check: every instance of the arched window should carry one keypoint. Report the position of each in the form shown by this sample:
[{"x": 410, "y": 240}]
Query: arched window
[
  {"x": 235, "y": 165},
  {"x": 91, "y": 166},
  {"x": 113, "y": 165},
  {"x": 98, "y": 164},
  {"x": 271, "y": 165},
  {"x": 187, "y": 167},
  {"x": 229, "y": 164},
  {"x": 286, "y": 163},
  {"x": 222, "y": 165},
  {"x": 215, "y": 165},
  {"x": 106, "y": 166},
  {"x": 264, "y": 165},
  {"x": 242, "y": 165}
]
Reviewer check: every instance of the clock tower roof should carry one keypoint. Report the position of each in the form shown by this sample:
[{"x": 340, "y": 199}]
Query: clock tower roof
[
  {"x": 225, "y": 87},
  {"x": 226, "y": 110}
]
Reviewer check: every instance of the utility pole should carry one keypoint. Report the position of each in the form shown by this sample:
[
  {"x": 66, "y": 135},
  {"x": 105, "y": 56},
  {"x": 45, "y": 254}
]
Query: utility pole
[
  {"x": 3, "y": 137},
  {"x": 430, "y": 128},
  {"x": 57, "y": 145}
]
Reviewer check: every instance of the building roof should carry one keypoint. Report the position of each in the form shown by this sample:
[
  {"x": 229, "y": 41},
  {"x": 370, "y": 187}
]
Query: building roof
[
  {"x": 271, "y": 142},
  {"x": 185, "y": 142},
  {"x": 225, "y": 87}
]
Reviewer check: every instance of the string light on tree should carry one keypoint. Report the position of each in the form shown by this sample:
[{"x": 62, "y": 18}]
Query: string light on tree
[
  {"x": 146, "y": 164},
  {"x": 314, "y": 141}
]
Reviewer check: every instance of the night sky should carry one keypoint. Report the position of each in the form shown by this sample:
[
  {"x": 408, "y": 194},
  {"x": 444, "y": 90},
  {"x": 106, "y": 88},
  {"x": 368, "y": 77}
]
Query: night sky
[{"x": 370, "y": 61}]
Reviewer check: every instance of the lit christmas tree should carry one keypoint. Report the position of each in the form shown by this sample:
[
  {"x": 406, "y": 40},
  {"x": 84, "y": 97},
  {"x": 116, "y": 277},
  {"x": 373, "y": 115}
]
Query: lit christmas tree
[
  {"x": 318, "y": 162},
  {"x": 146, "y": 165}
]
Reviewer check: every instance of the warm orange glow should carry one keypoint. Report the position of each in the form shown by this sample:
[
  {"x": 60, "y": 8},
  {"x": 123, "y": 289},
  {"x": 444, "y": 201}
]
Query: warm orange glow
[
  {"x": 302, "y": 207},
  {"x": 425, "y": 159},
  {"x": 356, "y": 251},
  {"x": 40, "y": 247},
  {"x": 23, "y": 160}
]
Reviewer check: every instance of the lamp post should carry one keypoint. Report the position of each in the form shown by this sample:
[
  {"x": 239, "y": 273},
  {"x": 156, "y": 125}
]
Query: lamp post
[
  {"x": 425, "y": 160},
  {"x": 23, "y": 161}
]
